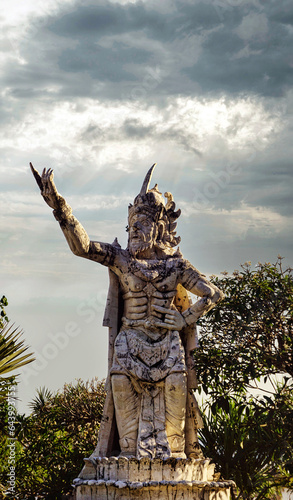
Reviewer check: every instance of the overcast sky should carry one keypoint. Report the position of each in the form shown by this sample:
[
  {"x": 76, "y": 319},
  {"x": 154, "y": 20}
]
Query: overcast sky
[{"x": 100, "y": 91}]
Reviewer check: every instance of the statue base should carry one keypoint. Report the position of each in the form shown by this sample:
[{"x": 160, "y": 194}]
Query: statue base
[{"x": 129, "y": 478}]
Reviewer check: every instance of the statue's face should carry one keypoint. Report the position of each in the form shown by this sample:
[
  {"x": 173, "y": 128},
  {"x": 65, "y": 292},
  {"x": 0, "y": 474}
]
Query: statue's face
[{"x": 142, "y": 233}]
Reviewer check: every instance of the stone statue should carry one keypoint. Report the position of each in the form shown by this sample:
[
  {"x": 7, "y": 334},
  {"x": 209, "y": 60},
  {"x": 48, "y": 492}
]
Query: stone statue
[{"x": 150, "y": 410}]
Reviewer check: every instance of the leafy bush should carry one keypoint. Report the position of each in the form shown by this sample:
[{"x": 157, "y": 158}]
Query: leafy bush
[
  {"x": 61, "y": 430},
  {"x": 248, "y": 339}
]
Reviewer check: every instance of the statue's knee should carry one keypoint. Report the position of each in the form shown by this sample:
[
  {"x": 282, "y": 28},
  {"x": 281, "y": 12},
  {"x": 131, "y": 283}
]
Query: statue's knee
[
  {"x": 176, "y": 383},
  {"x": 120, "y": 386}
]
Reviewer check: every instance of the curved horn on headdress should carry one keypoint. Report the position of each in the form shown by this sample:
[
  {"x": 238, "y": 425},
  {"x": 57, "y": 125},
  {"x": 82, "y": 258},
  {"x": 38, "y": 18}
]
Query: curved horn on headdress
[{"x": 147, "y": 181}]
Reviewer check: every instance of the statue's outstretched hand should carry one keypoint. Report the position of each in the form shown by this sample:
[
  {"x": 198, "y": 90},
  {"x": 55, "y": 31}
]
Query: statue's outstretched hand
[
  {"x": 48, "y": 188},
  {"x": 173, "y": 320}
]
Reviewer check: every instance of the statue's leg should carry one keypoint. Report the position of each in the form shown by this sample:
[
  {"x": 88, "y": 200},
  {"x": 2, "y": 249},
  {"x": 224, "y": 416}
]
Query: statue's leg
[
  {"x": 175, "y": 398},
  {"x": 126, "y": 401}
]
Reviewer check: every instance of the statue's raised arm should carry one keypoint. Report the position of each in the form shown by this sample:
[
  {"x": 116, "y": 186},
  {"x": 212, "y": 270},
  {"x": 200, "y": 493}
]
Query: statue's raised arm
[{"x": 74, "y": 232}]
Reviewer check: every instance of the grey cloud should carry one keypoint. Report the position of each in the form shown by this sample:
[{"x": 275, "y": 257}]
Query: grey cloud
[
  {"x": 131, "y": 128},
  {"x": 257, "y": 184},
  {"x": 201, "y": 15},
  {"x": 134, "y": 129},
  {"x": 281, "y": 12},
  {"x": 103, "y": 63},
  {"x": 260, "y": 179},
  {"x": 270, "y": 185},
  {"x": 261, "y": 66},
  {"x": 108, "y": 19},
  {"x": 90, "y": 25},
  {"x": 227, "y": 63},
  {"x": 95, "y": 21},
  {"x": 85, "y": 20},
  {"x": 173, "y": 133}
]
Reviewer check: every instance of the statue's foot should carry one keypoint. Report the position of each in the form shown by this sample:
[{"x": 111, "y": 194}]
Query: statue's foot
[
  {"x": 177, "y": 445},
  {"x": 128, "y": 447}
]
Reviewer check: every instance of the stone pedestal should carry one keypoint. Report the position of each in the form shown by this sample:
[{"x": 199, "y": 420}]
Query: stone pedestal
[{"x": 129, "y": 478}]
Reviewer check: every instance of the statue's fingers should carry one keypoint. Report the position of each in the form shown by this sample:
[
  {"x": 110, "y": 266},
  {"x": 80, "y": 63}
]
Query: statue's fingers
[
  {"x": 169, "y": 321},
  {"x": 170, "y": 326},
  {"x": 33, "y": 169},
  {"x": 160, "y": 324},
  {"x": 45, "y": 183},
  {"x": 163, "y": 324},
  {"x": 37, "y": 176},
  {"x": 48, "y": 179},
  {"x": 47, "y": 173},
  {"x": 51, "y": 181},
  {"x": 162, "y": 309}
]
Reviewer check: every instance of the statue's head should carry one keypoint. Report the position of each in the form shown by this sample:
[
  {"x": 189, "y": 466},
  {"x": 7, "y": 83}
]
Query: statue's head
[{"x": 151, "y": 221}]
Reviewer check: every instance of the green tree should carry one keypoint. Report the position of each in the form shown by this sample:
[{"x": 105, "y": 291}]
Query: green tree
[
  {"x": 250, "y": 440},
  {"x": 61, "y": 430},
  {"x": 247, "y": 337},
  {"x": 250, "y": 334}
]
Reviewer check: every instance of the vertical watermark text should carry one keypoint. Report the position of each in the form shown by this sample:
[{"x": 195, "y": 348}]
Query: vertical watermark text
[{"x": 11, "y": 421}]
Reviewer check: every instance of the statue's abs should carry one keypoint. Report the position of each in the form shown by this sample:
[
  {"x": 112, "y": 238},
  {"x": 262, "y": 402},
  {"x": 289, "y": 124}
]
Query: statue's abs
[{"x": 143, "y": 298}]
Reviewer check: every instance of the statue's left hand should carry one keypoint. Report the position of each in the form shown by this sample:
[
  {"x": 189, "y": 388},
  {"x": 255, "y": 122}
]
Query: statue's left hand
[{"x": 173, "y": 319}]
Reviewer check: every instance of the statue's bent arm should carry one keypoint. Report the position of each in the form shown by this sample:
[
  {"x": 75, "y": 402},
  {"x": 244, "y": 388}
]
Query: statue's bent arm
[{"x": 196, "y": 283}]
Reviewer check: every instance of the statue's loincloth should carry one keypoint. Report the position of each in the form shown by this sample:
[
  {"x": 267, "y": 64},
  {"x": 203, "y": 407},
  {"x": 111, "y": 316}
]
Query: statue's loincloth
[{"x": 146, "y": 359}]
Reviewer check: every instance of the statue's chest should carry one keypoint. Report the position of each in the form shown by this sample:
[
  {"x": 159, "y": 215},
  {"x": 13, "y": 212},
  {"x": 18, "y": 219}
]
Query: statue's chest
[{"x": 161, "y": 276}]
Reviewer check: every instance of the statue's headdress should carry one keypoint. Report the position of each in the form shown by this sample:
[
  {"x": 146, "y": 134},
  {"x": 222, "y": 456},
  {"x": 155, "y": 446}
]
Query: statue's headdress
[{"x": 151, "y": 203}]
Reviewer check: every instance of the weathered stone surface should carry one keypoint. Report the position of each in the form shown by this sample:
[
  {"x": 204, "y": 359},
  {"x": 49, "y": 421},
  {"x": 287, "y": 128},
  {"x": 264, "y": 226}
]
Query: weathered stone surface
[
  {"x": 175, "y": 478},
  {"x": 165, "y": 490},
  {"x": 145, "y": 469},
  {"x": 90, "y": 469}
]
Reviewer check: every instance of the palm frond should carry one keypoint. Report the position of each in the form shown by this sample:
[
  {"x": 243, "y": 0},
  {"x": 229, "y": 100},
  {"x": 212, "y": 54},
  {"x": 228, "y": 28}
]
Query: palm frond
[
  {"x": 12, "y": 349},
  {"x": 43, "y": 396}
]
